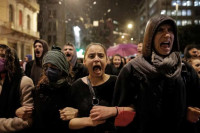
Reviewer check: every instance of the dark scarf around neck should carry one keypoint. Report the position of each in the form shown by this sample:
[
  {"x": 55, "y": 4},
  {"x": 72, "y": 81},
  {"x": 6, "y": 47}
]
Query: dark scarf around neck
[{"x": 169, "y": 66}]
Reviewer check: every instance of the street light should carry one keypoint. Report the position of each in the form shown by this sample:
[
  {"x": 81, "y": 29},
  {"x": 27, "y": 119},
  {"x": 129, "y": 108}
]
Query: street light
[
  {"x": 176, "y": 11},
  {"x": 130, "y": 26}
]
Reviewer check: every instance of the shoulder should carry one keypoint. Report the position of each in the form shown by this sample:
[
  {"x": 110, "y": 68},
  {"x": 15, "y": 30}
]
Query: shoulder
[
  {"x": 26, "y": 81},
  {"x": 78, "y": 82},
  {"x": 113, "y": 77},
  {"x": 30, "y": 63}
]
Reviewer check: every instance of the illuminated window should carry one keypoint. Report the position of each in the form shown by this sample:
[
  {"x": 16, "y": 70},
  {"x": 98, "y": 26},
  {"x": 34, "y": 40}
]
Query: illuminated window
[
  {"x": 178, "y": 22},
  {"x": 189, "y": 22},
  {"x": 184, "y": 13},
  {"x": 163, "y": 12},
  {"x": 186, "y": 3},
  {"x": 179, "y": 13},
  {"x": 174, "y": 2},
  {"x": 184, "y": 22},
  {"x": 173, "y": 13},
  {"x": 197, "y": 3},
  {"x": 189, "y": 13},
  {"x": 196, "y": 21}
]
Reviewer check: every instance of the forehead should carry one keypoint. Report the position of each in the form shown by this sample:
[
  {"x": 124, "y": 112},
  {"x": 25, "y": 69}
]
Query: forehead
[
  {"x": 38, "y": 44},
  {"x": 165, "y": 25},
  {"x": 116, "y": 57},
  {"x": 195, "y": 60},
  {"x": 193, "y": 49},
  {"x": 68, "y": 47},
  {"x": 95, "y": 48}
]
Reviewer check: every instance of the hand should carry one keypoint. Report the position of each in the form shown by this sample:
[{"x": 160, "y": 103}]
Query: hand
[
  {"x": 24, "y": 112},
  {"x": 102, "y": 112},
  {"x": 68, "y": 113},
  {"x": 193, "y": 114}
]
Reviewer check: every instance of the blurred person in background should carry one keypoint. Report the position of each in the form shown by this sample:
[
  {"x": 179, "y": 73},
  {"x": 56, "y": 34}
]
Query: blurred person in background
[
  {"x": 34, "y": 68},
  {"x": 191, "y": 51},
  {"x": 115, "y": 66},
  {"x": 27, "y": 58},
  {"x": 77, "y": 70},
  {"x": 139, "y": 49},
  {"x": 195, "y": 62}
]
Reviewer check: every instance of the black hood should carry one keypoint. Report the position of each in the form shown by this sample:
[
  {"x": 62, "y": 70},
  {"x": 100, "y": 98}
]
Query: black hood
[{"x": 151, "y": 28}]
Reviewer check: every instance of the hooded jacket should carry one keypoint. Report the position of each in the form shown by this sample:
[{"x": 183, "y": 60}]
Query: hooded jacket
[
  {"x": 151, "y": 28},
  {"x": 160, "y": 101},
  {"x": 34, "y": 67}
]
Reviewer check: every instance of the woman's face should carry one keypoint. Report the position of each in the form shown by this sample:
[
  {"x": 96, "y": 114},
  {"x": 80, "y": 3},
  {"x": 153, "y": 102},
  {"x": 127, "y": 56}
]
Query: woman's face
[
  {"x": 95, "y": 60},
  {"x": 196, "y": 65},
  {"x": 117, "y": 61},
  {"x": 194, "y": 52}
]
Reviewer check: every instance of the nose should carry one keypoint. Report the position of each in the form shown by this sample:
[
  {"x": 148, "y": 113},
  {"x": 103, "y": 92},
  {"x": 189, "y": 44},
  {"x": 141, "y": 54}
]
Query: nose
[
  {"x": 167, "y": 33},
  {"x": 96, "y": 58}
]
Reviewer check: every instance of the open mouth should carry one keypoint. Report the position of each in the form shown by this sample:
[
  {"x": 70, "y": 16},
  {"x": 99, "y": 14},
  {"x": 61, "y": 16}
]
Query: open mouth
[
  {"x": 68, "y": 55},
  {"x": 97, "y": 68},
  {"x": 165, "y": 44},
  {"x": 37, "y": 52}
]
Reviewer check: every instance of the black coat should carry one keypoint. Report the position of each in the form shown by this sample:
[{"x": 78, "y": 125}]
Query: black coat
[
  {"x": 48, "y": 100},
  {"x": 160, "y": 103}
]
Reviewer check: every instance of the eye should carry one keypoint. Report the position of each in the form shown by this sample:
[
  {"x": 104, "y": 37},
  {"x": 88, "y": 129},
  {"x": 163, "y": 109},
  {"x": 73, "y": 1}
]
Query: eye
[
  {"x": 160, "y": 29},
  {"x": 170, "y": 30},
  {"x": 91, "y": 56},
  {"x": 101, "y": 55},
  {"x": 197, "y": 65}
]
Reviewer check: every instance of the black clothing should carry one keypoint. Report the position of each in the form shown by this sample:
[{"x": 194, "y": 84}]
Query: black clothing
[
  {"x": 155, "y": 86},
  {"x": 112, "y": 70},
  {"x": 34, "y": 68},
  {"x": 160, "y": 103},
  {"x": 81, "y": 99},
  {"x": 79, "y": 71},
  {"x": 28, "y": 68},
  {"x": 48, "y": 100}
]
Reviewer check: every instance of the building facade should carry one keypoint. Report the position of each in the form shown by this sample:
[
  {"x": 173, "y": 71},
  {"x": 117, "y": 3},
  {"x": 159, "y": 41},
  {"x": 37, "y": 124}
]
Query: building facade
[
  {"x": 185, "y": 12},
  {"x": 51, "y": 22},
  {"x": 18, "y": 25}
]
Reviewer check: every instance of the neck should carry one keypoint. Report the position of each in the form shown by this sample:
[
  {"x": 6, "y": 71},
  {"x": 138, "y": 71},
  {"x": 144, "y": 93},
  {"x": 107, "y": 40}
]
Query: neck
[{"x": 98, "y": 80}]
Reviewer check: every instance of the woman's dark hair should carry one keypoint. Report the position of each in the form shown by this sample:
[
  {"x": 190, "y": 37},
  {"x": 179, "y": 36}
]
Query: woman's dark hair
[
  {"x": 187, "y": 49},
  {"x": 12, "y": 64}
]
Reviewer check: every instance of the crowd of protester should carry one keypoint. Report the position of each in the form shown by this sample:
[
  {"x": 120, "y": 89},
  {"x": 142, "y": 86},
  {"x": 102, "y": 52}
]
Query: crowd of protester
[{"x": 157, "y": 90}]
